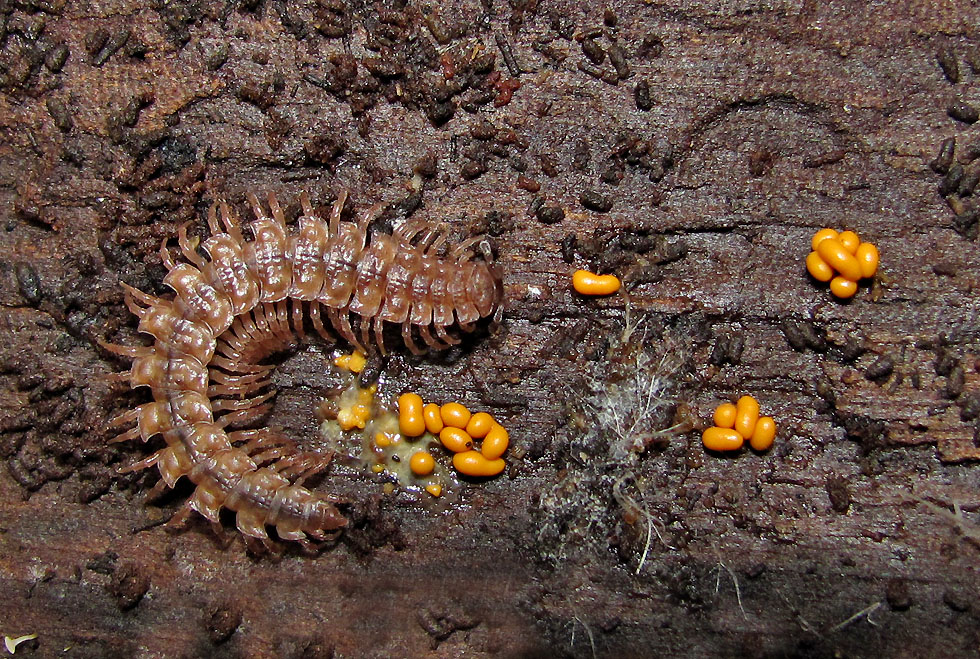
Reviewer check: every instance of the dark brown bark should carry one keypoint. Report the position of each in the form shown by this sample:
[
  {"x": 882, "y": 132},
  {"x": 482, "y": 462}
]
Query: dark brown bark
[{"x": 692, "y": 148}]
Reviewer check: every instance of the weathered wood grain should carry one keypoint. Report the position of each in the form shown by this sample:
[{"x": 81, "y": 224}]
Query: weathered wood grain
[{"x": 766, "y": 121}]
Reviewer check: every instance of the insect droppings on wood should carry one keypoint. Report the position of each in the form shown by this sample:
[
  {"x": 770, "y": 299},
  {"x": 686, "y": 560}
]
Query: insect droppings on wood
[
  {"x": 962, "y": 111},
  {"x": 944, "y": 159},
  {"x": 596, "y": 201},
  {"x": 641, "y": 94},
  {"x": 949, "y": 64}
]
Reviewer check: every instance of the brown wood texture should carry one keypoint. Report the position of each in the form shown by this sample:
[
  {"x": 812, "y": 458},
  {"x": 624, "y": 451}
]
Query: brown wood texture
[{"x": 694, "y": 148}]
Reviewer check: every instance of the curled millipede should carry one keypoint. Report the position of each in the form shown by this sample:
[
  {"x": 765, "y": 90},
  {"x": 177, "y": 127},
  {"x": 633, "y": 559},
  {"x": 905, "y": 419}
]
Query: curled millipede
[{"x": 251, "y": 298}]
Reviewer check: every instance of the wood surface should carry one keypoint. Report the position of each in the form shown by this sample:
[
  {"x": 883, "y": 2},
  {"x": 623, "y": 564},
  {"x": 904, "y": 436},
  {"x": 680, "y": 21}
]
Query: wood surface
[{"x": 695, "y": 157}]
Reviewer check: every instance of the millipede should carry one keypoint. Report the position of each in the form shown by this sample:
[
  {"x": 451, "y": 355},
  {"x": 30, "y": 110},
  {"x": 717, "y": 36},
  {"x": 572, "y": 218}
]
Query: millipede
[{"x": 248, "y": 299}]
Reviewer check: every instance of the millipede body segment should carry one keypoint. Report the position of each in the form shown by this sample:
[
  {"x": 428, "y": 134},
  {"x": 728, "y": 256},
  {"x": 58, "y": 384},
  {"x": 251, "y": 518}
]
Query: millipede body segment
[{"x": 251, "y": 298}]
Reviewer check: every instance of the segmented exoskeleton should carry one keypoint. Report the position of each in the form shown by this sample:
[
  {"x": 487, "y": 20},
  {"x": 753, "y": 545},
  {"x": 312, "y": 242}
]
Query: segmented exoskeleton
[{"x": 251, "y": 298}]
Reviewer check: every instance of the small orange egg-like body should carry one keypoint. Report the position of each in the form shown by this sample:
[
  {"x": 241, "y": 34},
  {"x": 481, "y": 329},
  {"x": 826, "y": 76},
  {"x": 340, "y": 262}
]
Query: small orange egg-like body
[
  {"x": 434, "y": 490},
  {"x": 354, "y": 362},
  {"x": 721, "y": 439},
  {"x": 746, "y": 415},
  {"x": 479, "y": 425},
  {"x": 495, "y": 443},
  {"x": 725, "y": 416},
  {"x": 589, "y": 283},
  {"x": 432, "y": 415},
  {"x": 821, "y": 235},
  {"x": 849, "y": 240},
  {"x": 382, "y": 440},
  {"x": 472, "y": 463},
  {"x": 765, "y": 433},
  {"x": 818, "y": 268},
  {"x": 867, "y": 256},
  {"x": 410, "y": 420},
  {"x": 843, "y": 288},
  {"x": 455, "y": 415},
  {"x": 455, "y": 439},
  {"x": 838, "y": 258},
  {"x": 355, "y": 416},
  {"x": 422, "y": 463}
]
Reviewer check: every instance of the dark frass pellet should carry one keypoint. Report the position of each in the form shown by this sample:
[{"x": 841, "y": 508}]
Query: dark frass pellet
[
  {"x": 963, "y": 112},
  {"x": 839, "y": 494},
  {"x": 955, "y": 382},
  {"x": 642, "y": 96},
  {"x": 568, "y": 245},
  {"x": 826, "y": 158},
  {"x": 95, "y": 40},
  {"x": 613, "y": 174},
  {"x": 617, "y": 57},
  {"x": 440, "y": 113},
  {"x": 60, "y": 113},
  {"x": 957, "y": 600},
  {"x": 484, "y": 130},
  {"x": 592, "y": 50},
  {"x": 897, "y": 594},
  {"x": 970, "y": 406},
  {"x": 550, "y": 214},
  {"x": 535, "y": 205},
  {"x": 944, "y": 159},
  {"x": 651, "y": 46},
  {"x": 549, "y": 166},
  {"x": 969, "y": 153},
  {"x": 56, "y": 57},
  {"x": 222, "y": 622},
  {"x": 880, "y": 369},
  {"x": 969, "y": 182},
  {"x": 596, "y": 201},
  {"x": 951, "y": 181},
  {"x": 967, "y": 223},
  {"x": 803, "y": 334},
  {"x": 28, "y": 282},
  {"x": 946, "y": 361},
  {"x": 948, "y": 63},
  {"x": 581, "y": 155},
  {"x": 529, "y": 184},
  {"x": 472, "y": 170}
]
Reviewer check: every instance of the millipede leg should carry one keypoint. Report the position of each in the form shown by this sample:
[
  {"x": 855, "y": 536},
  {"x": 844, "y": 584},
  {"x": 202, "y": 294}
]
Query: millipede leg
[
  {"x": 128, "y": 436},
  {"x": 243, "y": 417},
  {"x": 379, "y": 336},
  {"x": 445, "y": 336},
  {"x": 408, "y": 340},
  {"x": 231, "y": 224},
  {"x": 297, "y": 317},
  {"x": 430, "y": 340},
  {"x": 132, "y": 352},
  {"x": 127, "y": 418},
  {"x": 335, "y": 211},
  {"x": 318, "y": 323},
  {"x": 180, "y": 517},
  {"x": 213, "y": 220},
  {"x": 236, "y": 366},
  {"x": 341, "y": 323},
  {"x": 276, "y": 210},
  {"x": 304, "y": 202},
  {"x": 270, "y": 455},
  {"x": 225, "y": 404},
  {"x": 142, "y": 464},
  {"x": 187, "y": 249},
  {"x": 365, "y": 326}
]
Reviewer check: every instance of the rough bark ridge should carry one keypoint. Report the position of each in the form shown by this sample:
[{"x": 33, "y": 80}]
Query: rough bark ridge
[{"x": 691, "y": 147}]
